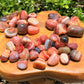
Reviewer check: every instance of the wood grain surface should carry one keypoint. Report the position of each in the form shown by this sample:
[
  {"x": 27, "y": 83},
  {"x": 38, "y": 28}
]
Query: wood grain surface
[{"x": 72, "y": 72}]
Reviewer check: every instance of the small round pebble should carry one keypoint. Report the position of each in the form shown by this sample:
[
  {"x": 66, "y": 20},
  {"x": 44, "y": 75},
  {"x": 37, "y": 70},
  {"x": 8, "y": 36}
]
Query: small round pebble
[
  {"x": 64, "y": 50},
  {"x": 22, "y": 64}
]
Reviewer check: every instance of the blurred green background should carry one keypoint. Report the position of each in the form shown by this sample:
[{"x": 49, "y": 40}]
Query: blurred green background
[{"x": 64, "y": 7}]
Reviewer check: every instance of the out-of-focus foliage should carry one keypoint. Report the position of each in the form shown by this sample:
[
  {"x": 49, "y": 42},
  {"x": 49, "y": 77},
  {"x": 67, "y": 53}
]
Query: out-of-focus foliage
[{"x": 64, "y": 7}]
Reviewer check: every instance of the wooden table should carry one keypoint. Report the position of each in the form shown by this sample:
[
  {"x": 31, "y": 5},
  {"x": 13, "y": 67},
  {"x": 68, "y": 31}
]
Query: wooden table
[{"x": 73, "y": 72}]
